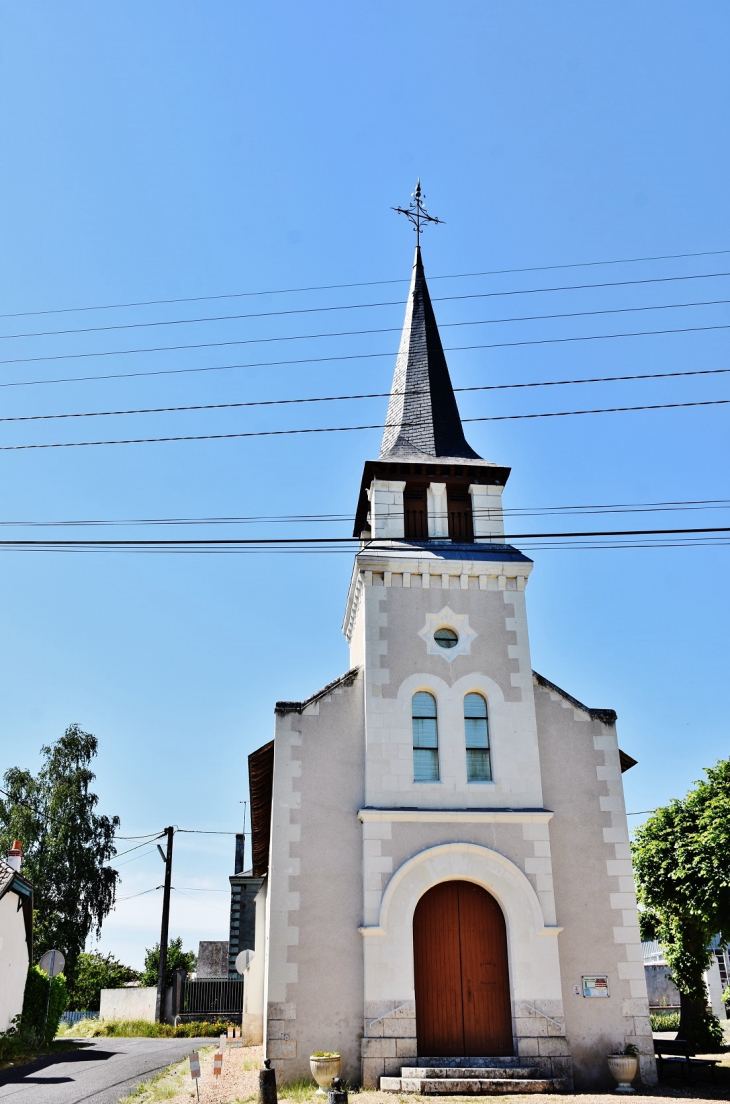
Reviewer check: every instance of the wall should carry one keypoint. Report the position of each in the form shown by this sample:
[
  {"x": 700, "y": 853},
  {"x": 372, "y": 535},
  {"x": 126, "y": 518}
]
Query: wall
[
  {"x": 314, "y": 985},
  {"x": 128, "y": 1004},
  {"x": 13, "y": 959},
  {"x": 212, "y": 959},
  {"x": 594, "y": 888},
  {"x": 662, "y": 991}
]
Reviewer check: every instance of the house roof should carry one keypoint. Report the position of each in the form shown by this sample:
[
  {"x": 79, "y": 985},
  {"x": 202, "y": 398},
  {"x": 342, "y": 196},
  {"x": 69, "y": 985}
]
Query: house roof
[
  {"x": 299, "y": 707},
  {"x": 12, "y": 881},
  {"x": 423, "y": 419},
  {"x": 606, "y": 716}
]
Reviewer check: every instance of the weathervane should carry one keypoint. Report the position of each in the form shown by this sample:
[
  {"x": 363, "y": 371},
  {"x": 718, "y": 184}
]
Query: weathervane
[{"x": 416, "y": 212}]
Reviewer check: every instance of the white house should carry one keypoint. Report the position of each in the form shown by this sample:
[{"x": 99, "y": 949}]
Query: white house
[
  {"x": 16, "y": 933},
  {"x": 442, "y": 830}
]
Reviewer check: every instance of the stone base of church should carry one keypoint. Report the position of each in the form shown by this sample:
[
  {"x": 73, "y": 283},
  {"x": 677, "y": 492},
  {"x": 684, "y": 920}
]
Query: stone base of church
[{"x": 389, "y": 1039}]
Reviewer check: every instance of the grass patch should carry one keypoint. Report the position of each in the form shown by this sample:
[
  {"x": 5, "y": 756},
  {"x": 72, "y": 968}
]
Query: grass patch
[
  {"x": 298, "y": 1091},
  {"x": 135, "y": 1029},
  {"x": 664, "y": 1021},
  {"x": 170, "y": 1082}
]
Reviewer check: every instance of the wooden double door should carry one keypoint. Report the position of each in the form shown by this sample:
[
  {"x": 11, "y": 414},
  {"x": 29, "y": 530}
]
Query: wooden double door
[{"x": 461, "y": 973}]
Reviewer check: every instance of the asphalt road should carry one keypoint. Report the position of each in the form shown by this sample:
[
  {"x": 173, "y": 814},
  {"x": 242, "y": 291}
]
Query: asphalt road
[{"x": 100, "y": 1072}]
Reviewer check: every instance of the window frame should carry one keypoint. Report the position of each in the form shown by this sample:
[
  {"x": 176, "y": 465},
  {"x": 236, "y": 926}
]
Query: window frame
[
  {"x": 478, "y": 747},
  {"x": 434, "y": 749}
]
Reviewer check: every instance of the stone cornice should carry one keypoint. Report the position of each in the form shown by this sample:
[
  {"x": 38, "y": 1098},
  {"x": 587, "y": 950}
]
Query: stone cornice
[{"x": 455, "y": 816}]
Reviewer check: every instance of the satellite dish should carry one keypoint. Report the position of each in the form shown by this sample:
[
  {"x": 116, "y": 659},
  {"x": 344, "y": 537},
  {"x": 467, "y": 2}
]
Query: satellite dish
[
  {"x": 52, "y": 963},
  {"x": 243, "y": 960}
]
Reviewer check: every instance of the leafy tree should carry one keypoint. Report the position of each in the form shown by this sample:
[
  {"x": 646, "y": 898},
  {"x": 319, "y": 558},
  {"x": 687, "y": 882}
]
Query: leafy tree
[
  {"x": 67, "y": 844},
  {"x": 177, "y": 959},
  {"x": 682, "y": 863},
  {"x": 94, "y": 972}
]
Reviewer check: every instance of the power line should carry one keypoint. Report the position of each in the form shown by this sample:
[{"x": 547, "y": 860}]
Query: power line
[
  {"x": 352, "y": 429},
  {"x": 364, "y": 306},
  {"x": 376, "y": 330},
  {"x": 370, "y": 545},
  {"x": 354, "y": 397},
  {"x": 526, "y": 511},
  {"x": 326, "y": 360},
  {"x": 364, "y": 283},
  {"x": 136, "y": 847}
]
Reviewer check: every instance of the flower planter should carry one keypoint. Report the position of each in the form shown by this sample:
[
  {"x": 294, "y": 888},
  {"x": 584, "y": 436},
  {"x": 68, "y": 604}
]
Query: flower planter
[
  {"x": 623, "y": 1067},
  {"x": 323, "y": 1072}
]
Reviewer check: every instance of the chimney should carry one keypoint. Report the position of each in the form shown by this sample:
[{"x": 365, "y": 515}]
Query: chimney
[
  {"x": 238, "y": 864},
  {"x": 15, "y": 854}
]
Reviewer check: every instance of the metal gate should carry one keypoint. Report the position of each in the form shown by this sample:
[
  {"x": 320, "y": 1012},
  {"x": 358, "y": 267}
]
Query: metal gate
[{"x": 204, "y": 998}]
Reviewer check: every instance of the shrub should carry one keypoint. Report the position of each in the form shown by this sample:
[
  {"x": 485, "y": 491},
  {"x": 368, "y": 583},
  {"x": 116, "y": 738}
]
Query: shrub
[
  {"x": 664, "y": 1021},
  {"x": 36, "y": 1029},
  {"x": 104, "y": 1029}
]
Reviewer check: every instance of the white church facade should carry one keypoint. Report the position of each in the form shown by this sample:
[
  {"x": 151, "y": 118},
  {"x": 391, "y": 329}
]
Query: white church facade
[{"x": 441, "y": 831}]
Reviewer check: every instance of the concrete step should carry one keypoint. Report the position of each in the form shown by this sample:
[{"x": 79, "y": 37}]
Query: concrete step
[
  {"x": 481, "y": 1062},
  {"x": 470, "y": 1073},
  {"x": 483, "y": 1086}
]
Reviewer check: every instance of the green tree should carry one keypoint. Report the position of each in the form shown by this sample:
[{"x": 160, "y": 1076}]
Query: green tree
[
  {"x": 67, "y": 844},
  {"x": 177, "y": 959},
  {"x": 94, "y": 972},
  {"x": 682, "y": 862}
]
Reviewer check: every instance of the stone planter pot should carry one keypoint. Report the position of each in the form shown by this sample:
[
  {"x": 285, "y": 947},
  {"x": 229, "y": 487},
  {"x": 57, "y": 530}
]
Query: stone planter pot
[
  {"x": 623, "y": 1067},
  {"x": 323, "y": 1072}
]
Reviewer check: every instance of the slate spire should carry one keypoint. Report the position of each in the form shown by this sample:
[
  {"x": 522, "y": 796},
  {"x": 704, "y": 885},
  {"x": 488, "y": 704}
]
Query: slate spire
[{"x": 423, "y": 418}]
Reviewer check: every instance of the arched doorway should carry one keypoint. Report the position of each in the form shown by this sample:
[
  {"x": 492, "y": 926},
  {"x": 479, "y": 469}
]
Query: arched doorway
[{"x": 461, "y": 973}]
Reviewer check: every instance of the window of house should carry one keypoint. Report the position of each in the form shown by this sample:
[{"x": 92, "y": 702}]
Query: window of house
[
  {"x": 425, "y": 738},
  {"x": 478, "y": 765}
]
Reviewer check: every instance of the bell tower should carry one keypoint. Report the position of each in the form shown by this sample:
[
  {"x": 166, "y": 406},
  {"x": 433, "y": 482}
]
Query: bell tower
[{"x": 436, "y": 609}]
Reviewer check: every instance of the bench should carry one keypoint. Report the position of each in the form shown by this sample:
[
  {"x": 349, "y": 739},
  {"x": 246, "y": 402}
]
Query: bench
[{"x": 681, "y": 1053}]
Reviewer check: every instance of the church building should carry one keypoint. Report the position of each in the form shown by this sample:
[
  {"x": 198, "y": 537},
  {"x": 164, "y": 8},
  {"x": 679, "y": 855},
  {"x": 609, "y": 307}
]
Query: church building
[{"x": 447, "y": 892}]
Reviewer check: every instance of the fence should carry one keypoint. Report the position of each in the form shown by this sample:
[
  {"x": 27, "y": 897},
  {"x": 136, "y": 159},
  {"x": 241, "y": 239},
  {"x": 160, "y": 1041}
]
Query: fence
[
  {"x": 74, "y": 1017},
  {"x": 205, "y": 997}
]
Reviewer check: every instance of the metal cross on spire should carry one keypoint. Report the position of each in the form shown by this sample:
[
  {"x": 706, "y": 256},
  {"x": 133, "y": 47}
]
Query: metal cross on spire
[{"x": 416, "y": 212}]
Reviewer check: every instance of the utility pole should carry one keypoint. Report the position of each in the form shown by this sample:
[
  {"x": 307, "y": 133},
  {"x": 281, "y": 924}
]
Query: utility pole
[{"x": 164, "y": 928}]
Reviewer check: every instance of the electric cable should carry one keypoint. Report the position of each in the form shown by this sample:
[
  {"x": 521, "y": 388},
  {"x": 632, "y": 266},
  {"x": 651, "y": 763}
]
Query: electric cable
[
  {"x": 130, "y": 896},
  {"x": 507, "y": 512},
  {"x": 353, "y": 429},
  {"x": 391, "y": 303},
  {"x": 137, "y": 846},
  {"x": 377, "y": 330},
  {"x": 364, "y": 283},
  {"x": 348, "y": 398}
]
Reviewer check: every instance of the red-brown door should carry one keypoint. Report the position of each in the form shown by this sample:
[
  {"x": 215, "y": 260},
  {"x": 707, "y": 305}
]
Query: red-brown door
[{"x": 461, "y": 973}]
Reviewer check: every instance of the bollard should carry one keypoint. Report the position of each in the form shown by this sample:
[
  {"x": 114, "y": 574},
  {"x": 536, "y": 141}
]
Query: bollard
[
  {"x": 338, "y": 1093},
  {"x": 267, "y": 1084}
]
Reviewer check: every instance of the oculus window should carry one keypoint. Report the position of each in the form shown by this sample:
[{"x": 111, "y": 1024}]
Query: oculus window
[
  {"x": 425, "y": 738},
  {"x": 446, "y": 638},
  {"x": 478, "y": 765}
]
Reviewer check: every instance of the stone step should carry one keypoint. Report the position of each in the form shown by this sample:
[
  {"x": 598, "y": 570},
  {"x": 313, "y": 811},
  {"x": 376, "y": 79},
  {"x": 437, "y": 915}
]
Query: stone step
[
  {"x": 480, "y": 1062},
  {"x": 482, "y": 1086},
  {"x": 470, "y": 1073}
]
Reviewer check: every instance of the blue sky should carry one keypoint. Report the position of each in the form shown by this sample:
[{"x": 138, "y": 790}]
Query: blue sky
[{"x": 178, "y": 150}]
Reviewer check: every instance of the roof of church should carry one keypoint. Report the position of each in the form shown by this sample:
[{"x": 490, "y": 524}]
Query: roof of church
[{"x": 423, "y": 419}]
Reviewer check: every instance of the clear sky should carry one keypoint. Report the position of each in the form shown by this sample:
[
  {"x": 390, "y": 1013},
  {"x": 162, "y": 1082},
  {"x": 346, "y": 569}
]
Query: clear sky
[{"x": 175, "y": 150}]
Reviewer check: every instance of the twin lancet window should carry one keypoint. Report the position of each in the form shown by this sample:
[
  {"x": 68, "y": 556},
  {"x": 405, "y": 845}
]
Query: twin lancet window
[{"x": 426, "y": 743}]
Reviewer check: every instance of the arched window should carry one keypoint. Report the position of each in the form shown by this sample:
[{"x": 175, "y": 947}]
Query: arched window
[
  {"x": 425, "y": 738},
  {"x": 478, "y": 765}
]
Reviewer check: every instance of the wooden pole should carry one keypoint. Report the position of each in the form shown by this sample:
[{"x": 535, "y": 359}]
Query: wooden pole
[{"x": 164, "y": 929}]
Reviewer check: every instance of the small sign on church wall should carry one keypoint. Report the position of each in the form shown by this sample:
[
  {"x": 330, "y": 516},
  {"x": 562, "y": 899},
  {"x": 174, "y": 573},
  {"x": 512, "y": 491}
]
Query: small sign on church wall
[{"x": 595, "y": 986}]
